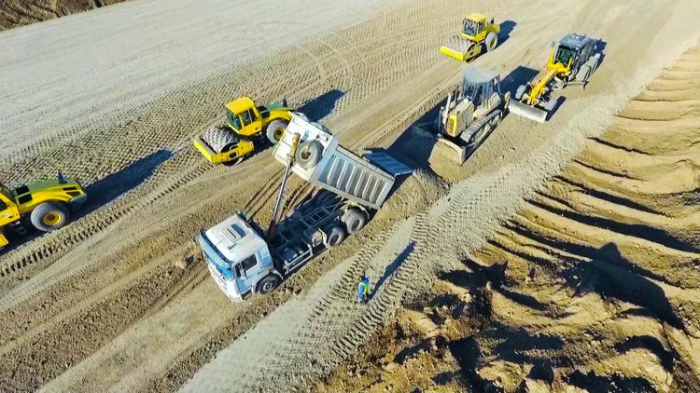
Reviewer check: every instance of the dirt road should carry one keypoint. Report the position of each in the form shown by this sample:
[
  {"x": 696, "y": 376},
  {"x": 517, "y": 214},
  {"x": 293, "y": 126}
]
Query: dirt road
[{"x": 100, "y": 305}]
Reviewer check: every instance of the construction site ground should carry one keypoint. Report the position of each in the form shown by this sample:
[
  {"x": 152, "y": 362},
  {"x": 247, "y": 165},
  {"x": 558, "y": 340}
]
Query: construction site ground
[{"x": 521, "y": 267}]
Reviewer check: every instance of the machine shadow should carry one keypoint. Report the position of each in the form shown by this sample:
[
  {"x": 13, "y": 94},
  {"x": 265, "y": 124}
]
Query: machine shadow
[
  {"x": 507, "y": 27},
  {"x": 322, "y": 106}
]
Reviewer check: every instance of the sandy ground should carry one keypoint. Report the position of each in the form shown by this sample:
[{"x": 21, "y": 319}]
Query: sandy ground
[
  {"x": 100, "y": 304},
  {"x": 594, "y": 285}
]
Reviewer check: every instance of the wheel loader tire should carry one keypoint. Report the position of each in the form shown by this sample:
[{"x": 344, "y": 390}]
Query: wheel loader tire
[
  {"x": 268, "y": 284},
  {"x": 275, "y": 130},
  {"x": 354, "y": 220},
  {"x": 520, "y": 92},
  {"x": 220, "y": 139},
  {"x": 491, "y": 41},
  {"x": 335, "y": 236},
  {"x": 50, "y": 216},
  {"x": 309, "y": 154}
]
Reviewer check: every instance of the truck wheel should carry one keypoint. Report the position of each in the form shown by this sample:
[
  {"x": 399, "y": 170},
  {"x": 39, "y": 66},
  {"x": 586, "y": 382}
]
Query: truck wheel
[
  {"x": 491, "y": 41},
  {"x": 335, "y": 237},
  {"x": 268, "y": 284},
  {"x": 520, "y": 92},
  {"x": 309, "y": 154},
  {"x": 354, "y": 220},
  {"x": 275, "y": 130},
  {"x": 50, "y": 216}
]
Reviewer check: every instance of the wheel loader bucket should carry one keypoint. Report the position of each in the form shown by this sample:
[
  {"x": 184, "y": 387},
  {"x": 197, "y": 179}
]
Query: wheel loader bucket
[{"x": 528, "y": 111}]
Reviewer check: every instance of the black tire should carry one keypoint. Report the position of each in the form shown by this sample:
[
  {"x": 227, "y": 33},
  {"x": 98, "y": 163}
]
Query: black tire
[
  {"x": 268, "y": 284},
  {"x": 50, "y": 216},
  {"x": 335, "y": 236},
  {"x": 275, "y": 130},
  {"x": 324, "y": 198},
  {"x": 584, "y": 73},
  {"x": 520, "y": 92},
  {"x": 550, "y": 105},
  {"x": 309, "y": 154},
  {"x": 354, "y": 220},
  {"x": 491, "y": 42}
]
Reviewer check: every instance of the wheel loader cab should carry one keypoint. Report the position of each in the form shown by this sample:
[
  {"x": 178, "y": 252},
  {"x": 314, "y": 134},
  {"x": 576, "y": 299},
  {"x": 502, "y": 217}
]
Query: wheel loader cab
[
  {"x": 243, "y": 117},
  {"x": 237, "y": 257}
]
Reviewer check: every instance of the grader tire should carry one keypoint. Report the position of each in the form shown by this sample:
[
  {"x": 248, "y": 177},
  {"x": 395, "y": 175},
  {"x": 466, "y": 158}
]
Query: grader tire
[
  {"x": 220, "y": 139},
  {"x": 50, "y": 216}
]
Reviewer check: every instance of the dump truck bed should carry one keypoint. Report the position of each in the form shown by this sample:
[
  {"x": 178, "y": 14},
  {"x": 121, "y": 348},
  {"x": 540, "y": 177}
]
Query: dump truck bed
[{"x": 339, "y": 170}]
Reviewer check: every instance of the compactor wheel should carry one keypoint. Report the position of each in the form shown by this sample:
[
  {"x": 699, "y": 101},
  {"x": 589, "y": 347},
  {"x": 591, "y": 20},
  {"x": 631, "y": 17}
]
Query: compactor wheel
[
  {"x": 275, "y": 130},
  {"x": 220, "y": 139},
  {"x": 50, "y": 216},
  {"x": 491, "y": 41}
]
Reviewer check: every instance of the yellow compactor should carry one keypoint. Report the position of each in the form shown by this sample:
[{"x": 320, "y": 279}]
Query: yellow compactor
[
  {"x": 45, "y": 205},
  {"x": 477, "y": 36},
  {"x": 246, "y": 126}
]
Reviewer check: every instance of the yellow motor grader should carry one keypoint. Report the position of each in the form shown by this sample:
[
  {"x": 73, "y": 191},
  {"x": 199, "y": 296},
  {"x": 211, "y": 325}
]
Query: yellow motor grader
[
  {"x": 573, "y": 60},
  {"x": 477, "y": 35},
  {"x": 246, "y": 125}
]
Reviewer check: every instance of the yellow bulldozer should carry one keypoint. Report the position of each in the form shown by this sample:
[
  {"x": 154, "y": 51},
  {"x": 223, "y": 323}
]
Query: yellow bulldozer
[
  {"x": 45, "y": 205},
  {"x": 574, "y": 59},
  {"x": 477, "y": 36},
  {"x": 246, "y": 126}
]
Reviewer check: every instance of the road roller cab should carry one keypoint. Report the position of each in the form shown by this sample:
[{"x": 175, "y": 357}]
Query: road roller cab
[{"x": 245, "y": 124}]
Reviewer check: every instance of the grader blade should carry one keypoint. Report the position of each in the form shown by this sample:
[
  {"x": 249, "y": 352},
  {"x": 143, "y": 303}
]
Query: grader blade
[{"x": 529, "y": 112}]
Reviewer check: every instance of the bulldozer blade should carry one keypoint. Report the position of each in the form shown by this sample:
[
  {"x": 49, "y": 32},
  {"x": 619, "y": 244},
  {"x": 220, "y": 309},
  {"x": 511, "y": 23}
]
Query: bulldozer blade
[
  {"x": 527, "y": 111},
  {"x": 460, "y": 151}
]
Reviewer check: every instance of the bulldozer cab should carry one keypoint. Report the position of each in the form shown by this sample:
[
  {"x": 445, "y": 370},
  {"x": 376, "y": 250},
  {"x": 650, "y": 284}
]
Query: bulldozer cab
[
  {"x": 481, "y": 87},
  {"x": 243, "y": 116},
  {"x": 9, "y": 212},
  {"x": 474, "y": 27}
]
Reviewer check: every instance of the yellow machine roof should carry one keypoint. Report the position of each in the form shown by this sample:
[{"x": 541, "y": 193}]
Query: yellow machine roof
[
  {"x": 240, "y": 104},
  {"x": 477, "y": 17}
]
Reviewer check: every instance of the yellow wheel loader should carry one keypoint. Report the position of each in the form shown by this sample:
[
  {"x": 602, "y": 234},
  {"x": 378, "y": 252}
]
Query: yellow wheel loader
[
  {"x": 246, "y": 125},
  {"x": 477, "y": 35},
  {"x": 573, "y": 60},
  {"x": 46, "y": 205},
  {"x": 472, "y": 112}
]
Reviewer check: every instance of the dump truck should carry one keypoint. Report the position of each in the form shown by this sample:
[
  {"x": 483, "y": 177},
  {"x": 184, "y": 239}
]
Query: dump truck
[
  {"x": 245, "y": 260},
  {"x": 45, "y": 205},
  {"x": 246, "y": 126},
  {"x": 477, "y": 36},
  {"x": 573, "y": 60}
]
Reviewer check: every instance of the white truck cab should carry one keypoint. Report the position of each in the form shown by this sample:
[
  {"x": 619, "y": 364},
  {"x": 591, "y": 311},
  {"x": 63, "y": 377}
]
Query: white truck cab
[{"x": 236, "y": 256}]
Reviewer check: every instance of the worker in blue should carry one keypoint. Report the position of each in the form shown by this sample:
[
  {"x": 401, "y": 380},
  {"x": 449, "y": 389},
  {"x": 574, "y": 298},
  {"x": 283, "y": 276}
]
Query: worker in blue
[{"x": 363, "y": 289}]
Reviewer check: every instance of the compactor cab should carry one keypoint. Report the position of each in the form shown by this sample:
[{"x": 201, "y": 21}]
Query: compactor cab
[{"x": 475, "y": 27}]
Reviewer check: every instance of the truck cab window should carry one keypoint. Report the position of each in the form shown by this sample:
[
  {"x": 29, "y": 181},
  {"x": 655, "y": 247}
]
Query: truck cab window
[{"x": 246, "y": 265}]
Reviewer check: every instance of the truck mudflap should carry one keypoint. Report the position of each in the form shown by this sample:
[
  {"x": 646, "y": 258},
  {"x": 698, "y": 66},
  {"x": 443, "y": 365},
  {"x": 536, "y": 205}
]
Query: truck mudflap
[{"x": 528, "y": 111}]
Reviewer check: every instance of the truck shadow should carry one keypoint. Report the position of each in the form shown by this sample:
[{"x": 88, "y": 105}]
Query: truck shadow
[{"x": 322, "y": 106}]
